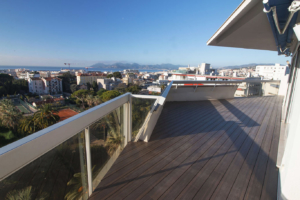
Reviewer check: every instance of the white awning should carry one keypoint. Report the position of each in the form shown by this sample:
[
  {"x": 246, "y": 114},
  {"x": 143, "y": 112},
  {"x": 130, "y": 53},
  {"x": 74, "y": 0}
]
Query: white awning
[{"x": 247, "y": 27}]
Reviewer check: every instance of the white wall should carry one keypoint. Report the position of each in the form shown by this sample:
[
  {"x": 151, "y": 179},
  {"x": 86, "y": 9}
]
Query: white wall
[
  {"x": 289, "y": 170},
  {"x": 201, "y": 93}
]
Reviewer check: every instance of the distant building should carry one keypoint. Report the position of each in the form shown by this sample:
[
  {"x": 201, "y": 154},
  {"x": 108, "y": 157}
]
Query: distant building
[
  {"x": 83, "y": 79},
  {"x": 128, "y": 79},
  {"x": 204, "y": 69},
  {"x": 108, "y": 83},
  {"x": 45, "y": 85},
  {"x": 154, "y": 88},
  {"x": 275, "y": 72},
  {"x": 126, "y": 71}
]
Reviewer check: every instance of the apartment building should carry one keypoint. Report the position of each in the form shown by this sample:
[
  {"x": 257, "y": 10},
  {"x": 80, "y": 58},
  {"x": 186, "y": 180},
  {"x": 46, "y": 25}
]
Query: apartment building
[
  {"x": 108, "y": 83},
  {"x": 274, "y": 72},
  {"x": 43, "y": 85},
  {"x": 83, "y": 79}
]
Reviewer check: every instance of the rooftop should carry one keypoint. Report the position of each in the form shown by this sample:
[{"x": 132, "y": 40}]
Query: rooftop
[{"x": 202, "y": 150}]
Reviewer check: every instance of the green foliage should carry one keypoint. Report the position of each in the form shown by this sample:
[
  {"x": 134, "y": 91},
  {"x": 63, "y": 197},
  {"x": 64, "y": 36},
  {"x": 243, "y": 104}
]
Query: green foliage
[
  {"x": 9, "y": 114},
  {"x": 140, "y": 109},
  {"x": 95, "y": 86},
  {"x": 154, "y": 93},
  {"x": 73, "y": 88},
  {"x": 82, "y": 93},
  {"x": 134, "y": 89},
  {"x": 24, "y": 194},
  {"x": 108, "y": 95},
  {"x": 67, "y": 80},
  {"x": 46, "y": 117},
  {"x": 101, "y": 91},
  {"x": 117, "y": 75},
  {"x": 2, "y": 91},
  {"x": 10, "y": 86},
  {"x": 88, "y": 85},
  {"x": 109, "y": 76}
]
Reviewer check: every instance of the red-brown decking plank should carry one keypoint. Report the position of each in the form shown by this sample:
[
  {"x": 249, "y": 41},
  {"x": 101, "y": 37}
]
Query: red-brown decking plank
[
  {"x": 191, "y": 168},
  {"x": 271, "y": 177},
  {"x": 196, "y": 150},
  {"x": 153, "y": 170},
  {"x": 200, "y": 124},
  {"x": 183, "y": 127},
  {"x": 255, "y": 163},
  {"x": 146, "y": 177},
  {"x": 224, "y": 187},
  {"x": 199, "y": 176}
]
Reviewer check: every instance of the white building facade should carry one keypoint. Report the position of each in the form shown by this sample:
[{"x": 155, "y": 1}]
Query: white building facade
[
  {"x": 274, "y": 72},
  {"x": 41, "y": 86}
]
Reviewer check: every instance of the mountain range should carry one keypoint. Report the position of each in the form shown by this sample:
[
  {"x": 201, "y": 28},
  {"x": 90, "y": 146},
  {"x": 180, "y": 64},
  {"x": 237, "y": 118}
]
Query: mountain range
[{"x": 135, "y": 66}]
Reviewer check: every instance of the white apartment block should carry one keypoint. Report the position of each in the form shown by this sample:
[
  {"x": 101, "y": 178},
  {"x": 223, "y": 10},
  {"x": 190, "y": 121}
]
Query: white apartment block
[
  {"x": 83, "y": 79},
  {"x": 45, "y": 86},
  {"x": 154, "y": 88},
  {"x": 108, "y": 83},
  {"x": 275, "y": 72}
]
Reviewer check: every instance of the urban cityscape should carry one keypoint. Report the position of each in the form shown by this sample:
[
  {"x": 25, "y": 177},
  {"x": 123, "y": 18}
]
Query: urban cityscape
[{"x": 87, "y": 112}]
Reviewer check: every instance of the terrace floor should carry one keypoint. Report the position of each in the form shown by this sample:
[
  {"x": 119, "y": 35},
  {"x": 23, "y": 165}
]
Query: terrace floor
[{"x": 222, "y": 149}]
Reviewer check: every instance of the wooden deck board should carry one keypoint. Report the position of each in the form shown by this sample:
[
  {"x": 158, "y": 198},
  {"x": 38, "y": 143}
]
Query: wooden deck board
[{"x": 202, "y": 150}]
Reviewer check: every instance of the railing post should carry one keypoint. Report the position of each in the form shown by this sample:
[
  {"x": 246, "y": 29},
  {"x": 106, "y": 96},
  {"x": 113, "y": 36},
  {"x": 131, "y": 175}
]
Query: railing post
[
  {"x": 88, "y": 160},
  {"x": 127, "y": 120}
]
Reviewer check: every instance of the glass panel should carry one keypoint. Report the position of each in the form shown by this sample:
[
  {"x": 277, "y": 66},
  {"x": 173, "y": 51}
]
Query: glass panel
[
  {"x": 257, "y": 89},
  {"x": 58, "y": 174},
  {"x": 140, "y": 110},
  {"x": 107, "y": 141}
]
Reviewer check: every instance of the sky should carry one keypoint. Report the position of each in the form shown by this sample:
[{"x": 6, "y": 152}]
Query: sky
[{"x": 50, "y": 33}]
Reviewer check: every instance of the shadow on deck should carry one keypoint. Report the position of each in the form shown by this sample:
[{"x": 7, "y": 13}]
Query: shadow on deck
[{"x": 223, "y": 149}]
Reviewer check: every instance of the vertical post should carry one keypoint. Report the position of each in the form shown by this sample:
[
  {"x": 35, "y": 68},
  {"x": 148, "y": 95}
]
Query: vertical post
[
  {"x": 88, "y": 160},
  {"x": 129, "y": 118},
  {"x": 248, "y": 89},
  {"x": 125, "y": 123}
]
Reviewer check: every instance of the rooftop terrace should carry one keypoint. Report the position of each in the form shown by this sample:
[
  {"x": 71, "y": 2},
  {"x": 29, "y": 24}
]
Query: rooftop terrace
[{"x": 220, "y": 149}]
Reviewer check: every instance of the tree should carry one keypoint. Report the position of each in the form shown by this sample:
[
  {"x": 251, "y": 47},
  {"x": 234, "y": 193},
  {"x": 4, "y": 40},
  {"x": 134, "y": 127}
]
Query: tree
[
  {"x": 121, "y": 88},
  {"x": 90, "y": 100},
  {"x": 2, "y": 91},
  {"x": 117, "y": 75},
  {"x": 67, "y": 80},
  {"x": 101, "y": 91},
  {"x": 88, "y": 85},
  {"x": 133, "y": 89},
  {"x": 73, "y": 88},
  {"x": 109, "y": 76},
  {"x": 108, "y": 95},
  {"x": 81, "y": 95},
  {"x": 46, "y": 117},
  {"x": 9, "y": 115},
  {"x": 95, "y": 86},
  {"x": 97, "y": 100}
]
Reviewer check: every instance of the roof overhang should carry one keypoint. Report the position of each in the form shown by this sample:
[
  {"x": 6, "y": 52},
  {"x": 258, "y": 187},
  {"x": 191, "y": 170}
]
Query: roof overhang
[{"x": 247, "y": 27}]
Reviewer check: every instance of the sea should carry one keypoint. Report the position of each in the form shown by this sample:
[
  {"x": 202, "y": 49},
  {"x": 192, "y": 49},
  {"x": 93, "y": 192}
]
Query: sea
[{"x": 37, "y": 68}]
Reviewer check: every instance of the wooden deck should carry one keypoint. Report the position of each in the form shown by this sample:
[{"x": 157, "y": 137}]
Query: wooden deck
[{"x": 222, "y": 149}]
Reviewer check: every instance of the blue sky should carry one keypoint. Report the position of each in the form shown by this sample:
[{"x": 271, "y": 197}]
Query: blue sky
[{"x": 49, "y": 33}]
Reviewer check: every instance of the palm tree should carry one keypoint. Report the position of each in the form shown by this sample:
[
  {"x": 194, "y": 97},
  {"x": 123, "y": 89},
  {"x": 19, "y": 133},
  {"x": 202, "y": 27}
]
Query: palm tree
[
  {"x": 97, "y": 100},
  {"x": 90, "y": 100},
  {"x": 46, "y": 117},
  {"x": 27, "y": 125},
  {"x": 9, "y": 115}
]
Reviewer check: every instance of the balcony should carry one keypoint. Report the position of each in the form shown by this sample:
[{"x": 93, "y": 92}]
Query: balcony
[{"x": 196, "y": 142}]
